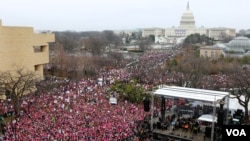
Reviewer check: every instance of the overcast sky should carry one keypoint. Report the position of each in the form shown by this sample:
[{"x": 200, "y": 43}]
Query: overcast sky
[{"x": 89, "y": 15}]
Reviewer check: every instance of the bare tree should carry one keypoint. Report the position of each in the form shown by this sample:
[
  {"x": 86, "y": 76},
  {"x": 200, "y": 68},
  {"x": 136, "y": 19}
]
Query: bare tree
[
  {"x": 75, "y": 67},
  {"x": 144, "y": 44},
  {"x": 94, "y": 45},
  {"x": 190, "y": 70},
  {"x": 18, "y": 83},
  {"x": 60, "y": 60},
  {"x": 241, "y": 32},
  {"x": 239, "y": 82},
  {"x": 225, "y": 38},
  {"x": 68, "y": 39},
  {"x": 111, "y": 38},
  {"x": 115, "y": 58}
]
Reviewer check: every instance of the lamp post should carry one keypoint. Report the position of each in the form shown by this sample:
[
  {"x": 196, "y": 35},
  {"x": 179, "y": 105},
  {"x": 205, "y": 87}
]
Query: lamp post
[
  {"x": 214, "y": 111},
  {"x": 87, "y": 125},
  {"x": 220, "y": 117},
  {"x": 163, "y": 108},
  {"x": 221, "y": 102},
  {"x": 152, "y": 111}
]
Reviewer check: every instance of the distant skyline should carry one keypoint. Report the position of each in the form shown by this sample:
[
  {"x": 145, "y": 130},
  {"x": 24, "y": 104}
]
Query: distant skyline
[{"x": 98, "y": 15}]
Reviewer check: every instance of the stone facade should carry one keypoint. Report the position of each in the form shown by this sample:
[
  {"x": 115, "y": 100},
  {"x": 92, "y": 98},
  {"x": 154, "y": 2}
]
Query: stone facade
[
  {"x": 219, "y": 32},
  {"x": 22, "y": 47},
  {"x": 153, "y": 31},
  {"x": 211, "y": 52}
]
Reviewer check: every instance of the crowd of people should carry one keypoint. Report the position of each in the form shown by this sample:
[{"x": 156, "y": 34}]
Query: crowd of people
[
  {"x": 81, "y": 110},
  {"x": 76, "y": 111},
  {"x": 149, "y": 69}
]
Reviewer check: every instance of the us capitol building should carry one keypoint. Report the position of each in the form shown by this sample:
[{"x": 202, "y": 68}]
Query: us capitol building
[{"x": 187, "y": 27}]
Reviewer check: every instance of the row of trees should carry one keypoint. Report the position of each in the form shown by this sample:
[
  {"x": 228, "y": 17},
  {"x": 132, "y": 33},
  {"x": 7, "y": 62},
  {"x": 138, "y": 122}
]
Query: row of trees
[
  {"x": 74, "y": 41},
  {"x": 203, "y": 39},
  {"x": 198, "y": 39},
  {"x": 98, "y": 42},
  {"x": 66, "y": 65},
  {"x": 89, "y": 51}
]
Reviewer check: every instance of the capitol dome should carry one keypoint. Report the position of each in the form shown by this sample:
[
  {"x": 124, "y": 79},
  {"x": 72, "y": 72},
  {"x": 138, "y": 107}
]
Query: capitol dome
[
  {"x": 240, "y": 44},
  {"x": 187, "y": 19}
]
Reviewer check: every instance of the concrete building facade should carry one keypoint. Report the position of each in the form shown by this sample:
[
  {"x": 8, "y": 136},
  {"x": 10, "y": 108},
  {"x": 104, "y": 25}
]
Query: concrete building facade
[
  {"x": 22, "y": 47},
  {"x": 220, "y": 32},
  {"x": 211, "y": 52},
  {"x": 187, "y": 26},
  {"x": 238, "y": 47},
  {"x": 153, "y": 31}
]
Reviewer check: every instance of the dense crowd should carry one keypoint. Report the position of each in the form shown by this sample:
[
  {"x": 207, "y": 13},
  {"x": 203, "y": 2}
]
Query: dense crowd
[
  {"x": 76, "y": 111},
  {"x": 81, "y": 110},
  {"x": 149, "y": 67}
]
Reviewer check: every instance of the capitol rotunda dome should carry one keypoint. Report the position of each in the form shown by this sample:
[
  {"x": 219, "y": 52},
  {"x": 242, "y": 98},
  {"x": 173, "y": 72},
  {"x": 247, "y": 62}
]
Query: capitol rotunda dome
[{"x": 187, "y": 19}]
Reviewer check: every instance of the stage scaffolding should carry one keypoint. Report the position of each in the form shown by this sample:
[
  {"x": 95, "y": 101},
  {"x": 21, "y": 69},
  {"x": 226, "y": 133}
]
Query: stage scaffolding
[{"x": 211, "y": 96}]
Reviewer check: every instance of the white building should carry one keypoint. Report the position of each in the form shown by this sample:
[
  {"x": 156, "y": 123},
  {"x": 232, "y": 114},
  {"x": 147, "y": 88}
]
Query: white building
[
  {"x": 213, "y": 52},
  {"x": 238, "y": 47},
  {"x": 162, "y": 40},
  {"x": 187, "y": 27},
  {"x": 219, "y": 32},
  {"x": 153, "y": 31}
]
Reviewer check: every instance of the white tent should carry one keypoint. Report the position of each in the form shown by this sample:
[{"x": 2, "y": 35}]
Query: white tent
[
  {"x": 234, "y": 104},
  {"x": 191, "y": 93},
  {"x": 208, "y": 118}
]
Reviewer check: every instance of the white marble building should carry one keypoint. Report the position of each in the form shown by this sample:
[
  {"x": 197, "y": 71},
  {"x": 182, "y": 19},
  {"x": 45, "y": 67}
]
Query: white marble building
[{"x": 187, "y": 27}]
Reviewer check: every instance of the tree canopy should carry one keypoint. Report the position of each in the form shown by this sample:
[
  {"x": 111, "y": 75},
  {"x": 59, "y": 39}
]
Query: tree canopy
[
  {"x": 129, "y": 91},
  {"x": 197, "y": 38}
]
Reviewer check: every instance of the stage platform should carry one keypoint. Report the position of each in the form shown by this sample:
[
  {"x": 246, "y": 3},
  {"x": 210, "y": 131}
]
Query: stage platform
[{"x": 180, "y": 135}]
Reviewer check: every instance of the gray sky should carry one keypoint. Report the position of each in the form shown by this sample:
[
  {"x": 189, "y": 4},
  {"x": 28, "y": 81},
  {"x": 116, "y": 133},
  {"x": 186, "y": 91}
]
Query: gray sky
[{"x": 88, "y": 15}]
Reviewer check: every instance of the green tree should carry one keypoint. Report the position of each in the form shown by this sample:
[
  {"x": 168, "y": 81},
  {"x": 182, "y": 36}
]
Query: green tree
[
  {"x": 129, "y": 91},
  {"x": 172, "y": 63},
  {"x": 197, "y": 38}
]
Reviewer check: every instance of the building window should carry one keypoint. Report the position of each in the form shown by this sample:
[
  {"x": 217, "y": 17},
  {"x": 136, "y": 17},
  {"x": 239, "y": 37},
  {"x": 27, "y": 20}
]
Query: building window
[
  {"x": 39, "y": 48},
  {"x": 212, "y": 54},
  {"x": 37, "y": 67},
  {"x": 206, "y": 54}
]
